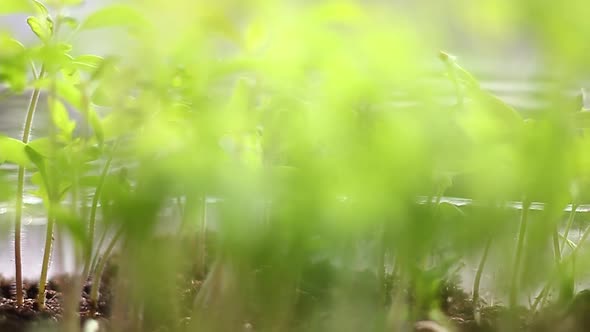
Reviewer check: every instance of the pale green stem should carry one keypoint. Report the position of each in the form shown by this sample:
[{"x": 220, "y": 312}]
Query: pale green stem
[
  {"x": 45, "y": 264},
  {"x": 556, "y": 248},
  {"x": 572, "y": 256},
  {"x": 570, "y": 222},
  {"x": 94, "y": 289},
  {"x": 513, "y": 296},
  {"x": 478, "y": 275},
  {"x": 19, "y": 195},
  {"x": 93, "y": 208}
]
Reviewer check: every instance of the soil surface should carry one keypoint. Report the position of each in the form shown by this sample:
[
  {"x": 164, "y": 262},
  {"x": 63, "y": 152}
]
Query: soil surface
[
  {"x": 28, "y": 316},
  {"x": 455, "y": 304}
]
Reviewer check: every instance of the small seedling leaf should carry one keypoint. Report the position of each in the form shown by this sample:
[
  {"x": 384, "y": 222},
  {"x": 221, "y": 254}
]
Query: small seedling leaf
[
  {"x": 69, "y": 93},
  {"x": 69, "y": 21},
  {"x": 41, "y": 9},
  {"x": 88, "y": 62},
  {"x": 10, "y": 46},
  {"x": 96, "y": 124},
  {"x": 73, "y": 224},
  {"x": 114, "y": 16},
  {"x": 41, "y": 145},
  {"x": 92, "y": 153},
  {"x": 39, "y": 27},
  {"x": 13, "y": 150},
  {"x": 61, "y": 119},
  {"x": 42, "y": 191},
  {"x": 36, "y": 158}
]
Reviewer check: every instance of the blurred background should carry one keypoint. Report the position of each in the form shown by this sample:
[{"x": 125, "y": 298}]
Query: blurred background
[{"x": 333, "y": 131}]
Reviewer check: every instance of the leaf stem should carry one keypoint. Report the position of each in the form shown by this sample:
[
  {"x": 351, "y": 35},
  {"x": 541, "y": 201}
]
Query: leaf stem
[
  {"x": 96, "y": 278},
  {"x": 19, "y": 195},
  {"x": 570, "y": 222},
  {"x": 478, "y": 274},
  {"x": 93, "y": 208},
  {"x": 513, "y": 296},
  {"x": 45, "y": 264}
]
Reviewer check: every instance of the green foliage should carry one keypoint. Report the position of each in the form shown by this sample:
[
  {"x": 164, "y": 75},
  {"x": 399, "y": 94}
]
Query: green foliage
[
  {"x": 315, "y": 126},
  {"x": 118, "y": 15},
  {"x": 13, "y": 150},
  {"x": 15, "y": 6}
]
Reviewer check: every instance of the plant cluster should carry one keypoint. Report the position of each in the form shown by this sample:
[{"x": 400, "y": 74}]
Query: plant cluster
[{"x": 316, "y": 128}]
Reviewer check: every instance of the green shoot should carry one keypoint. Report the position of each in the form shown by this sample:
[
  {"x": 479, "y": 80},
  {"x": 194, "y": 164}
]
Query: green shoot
[
  {"x": 516, "y": 271},
  {"x": 92, "y": 222},
  {"x": 477, "y": 279},
  {"x": 19, "y": 195}
]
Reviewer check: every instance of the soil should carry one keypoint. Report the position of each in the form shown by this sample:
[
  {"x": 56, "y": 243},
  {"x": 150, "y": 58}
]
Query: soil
[
  {"x": 26, "y": 317},
  {"x": 454, "y": 303}
]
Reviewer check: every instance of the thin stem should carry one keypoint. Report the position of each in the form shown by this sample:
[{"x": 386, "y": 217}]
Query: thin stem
[
  {"x": 563, "y": 261},
  {"x": 202, "y": 252},
  {"x": 94, "y": 289},
  {"x": 570, "y": 222},
  {"x": 19, "y": 195},
  {"x": 556, "y": 248},
  {"x": 98, "y": 251},
  {"x": 92, "y": 221},
  {"x": 540, "y": 298},
  {"x": 479, "y": 273},
  {"x": 45, "y": 264},
  {"x": 381, "y": 265},
  {"x": 513, "y": 297}
]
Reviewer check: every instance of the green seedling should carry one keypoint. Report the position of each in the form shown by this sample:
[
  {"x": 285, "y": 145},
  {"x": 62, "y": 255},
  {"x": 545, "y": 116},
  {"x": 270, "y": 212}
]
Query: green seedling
[{"x": 509, "y": 121}]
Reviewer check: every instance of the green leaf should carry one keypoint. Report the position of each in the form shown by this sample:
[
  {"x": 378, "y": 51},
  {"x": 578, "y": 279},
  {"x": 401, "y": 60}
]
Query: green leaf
[
  {"x": 36, "y": 158},
  {"x": 72, "y": 223},
  {"x": 59, "y": 3},
  {"x": 10, "y": 47},
  {"x": 13, "y": 150},
  {"x": 15, "y": 6},
  {"x": 61, "y": 119},
  {"x": 91, "y": 153},
  {"x": 42, "y": 146},
  {"x": 13, "y": 63},
  {"x": 88, "y": 62},
  {"x": 72, "y": 22},
  {"x": 38, "y": 180},
  {"x": 43, "y": 12},
  {"x": 114, "y": 16},
  {"x": 69, "y": 93},
  {"x": 39, "y": 27},
  {"x": 96, "y": 124}
]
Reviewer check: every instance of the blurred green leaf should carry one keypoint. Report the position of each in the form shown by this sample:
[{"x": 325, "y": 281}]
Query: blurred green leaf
[
  {"x": 42, "y": 146},
  {"x": 59, "y": 3},
  {"x": 69, "y": 21},
  {"x": 61, "y": 119},
  {"x": 74, "y": 225},
  {"x": 96, "y": 124},
  {"x": 38, "y": 180},
  {"x": 36, "y": 158},
  {"x": 13, "y": 150},
  {"x": 15, "y": 6},
  {"x": 117, "y": 15},
  {"x": 88, "y": 62},
  {"x": 69, "y": 93},
  {"x": 41, "y": 9},
  {"x": 40, "y": 27},
  {"x": 13, "y": 63}
]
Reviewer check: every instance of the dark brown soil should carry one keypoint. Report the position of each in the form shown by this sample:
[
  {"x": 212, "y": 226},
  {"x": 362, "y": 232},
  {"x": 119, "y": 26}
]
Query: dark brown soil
[
  {"x": 22, "y": 318},
  {"x": 454, "y": 303}
]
